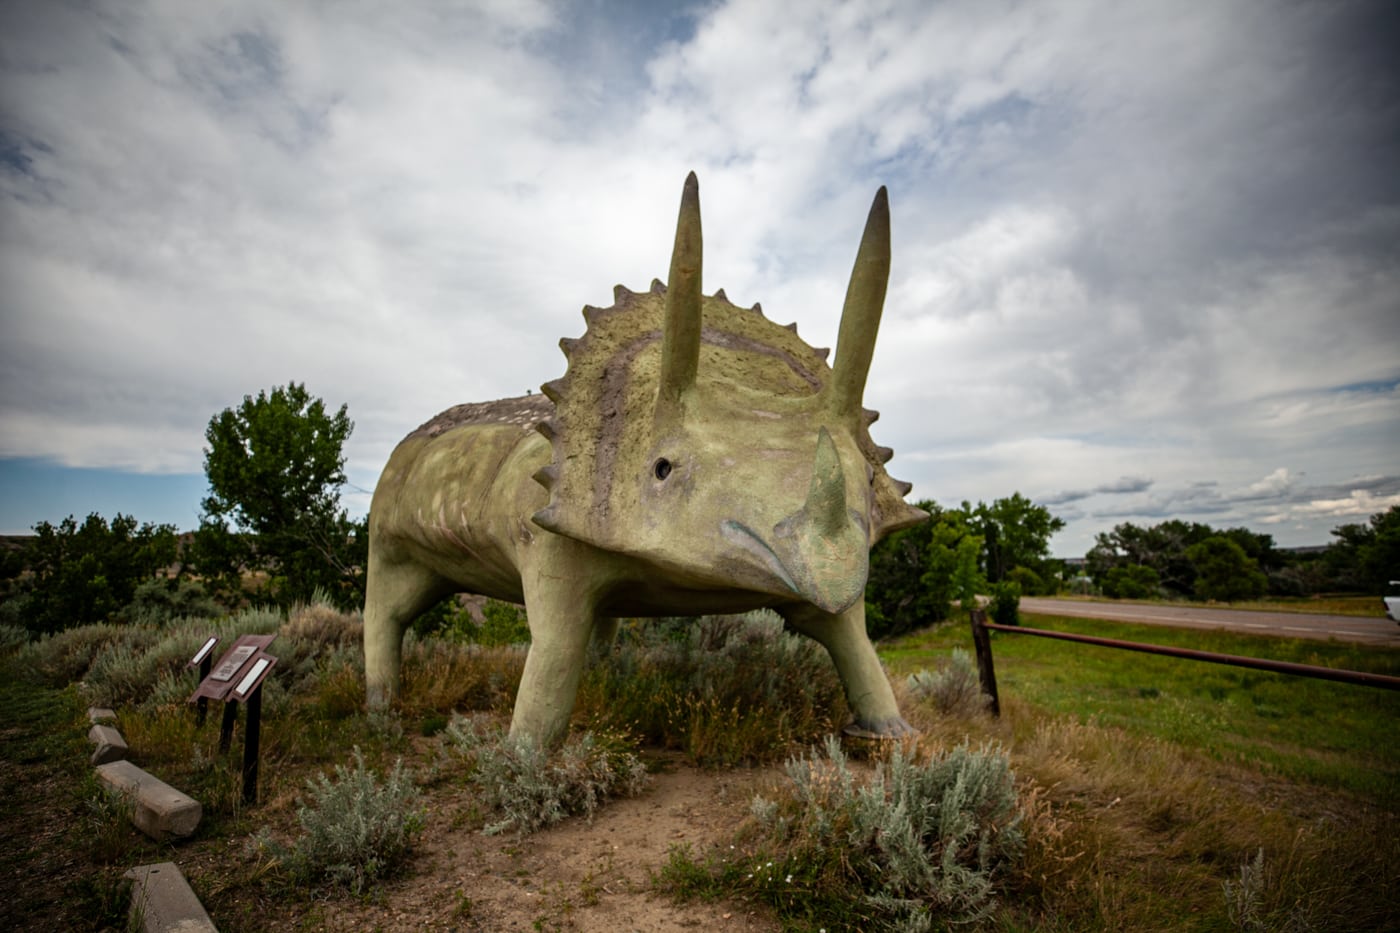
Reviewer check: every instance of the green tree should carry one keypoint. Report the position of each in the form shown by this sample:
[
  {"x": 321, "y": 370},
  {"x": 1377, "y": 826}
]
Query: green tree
[
  {"x": 1224, "y": 571},
  {"x": 1130, "y": 581},
  {"x": 1161, "y": 547},
  {"x": 917, "y": 573},
  {"x": 275, "y": 467},
  {"x": 1015, "y": 533},
  {"x": 1366, "y": 557},
  {"x": 86, "y": 573}
]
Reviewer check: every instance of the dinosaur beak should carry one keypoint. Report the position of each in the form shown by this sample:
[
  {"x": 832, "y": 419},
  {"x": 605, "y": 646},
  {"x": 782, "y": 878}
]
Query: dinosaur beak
[{"x": 820, "y": 552}]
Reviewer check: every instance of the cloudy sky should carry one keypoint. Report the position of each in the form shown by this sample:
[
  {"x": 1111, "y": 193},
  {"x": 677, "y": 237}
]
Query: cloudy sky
[{"x": 1145, "y": 254}]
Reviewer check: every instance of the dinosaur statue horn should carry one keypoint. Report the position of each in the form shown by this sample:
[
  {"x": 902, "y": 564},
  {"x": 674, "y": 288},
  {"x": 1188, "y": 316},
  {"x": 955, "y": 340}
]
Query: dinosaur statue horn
[
  {"x": 860, "y": 318},
  {"x": 680, "y": 345}
]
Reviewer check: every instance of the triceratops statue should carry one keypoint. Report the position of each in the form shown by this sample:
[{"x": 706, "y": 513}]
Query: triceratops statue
[{"x": 694, "y": 458}]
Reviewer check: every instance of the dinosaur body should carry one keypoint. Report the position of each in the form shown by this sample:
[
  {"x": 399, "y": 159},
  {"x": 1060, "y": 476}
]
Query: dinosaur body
[{"x": 695, "y": 458}]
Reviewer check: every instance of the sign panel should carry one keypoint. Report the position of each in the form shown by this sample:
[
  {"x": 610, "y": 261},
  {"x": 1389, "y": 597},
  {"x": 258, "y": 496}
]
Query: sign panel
[
  {"x": 232, "y": 661},
  {"x": 203, "y": 652},
  {"x": 233, "y": 667}
]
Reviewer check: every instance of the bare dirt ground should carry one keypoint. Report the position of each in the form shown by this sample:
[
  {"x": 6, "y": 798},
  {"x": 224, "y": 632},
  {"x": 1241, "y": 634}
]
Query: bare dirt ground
[{"x": 578, "y": 876}]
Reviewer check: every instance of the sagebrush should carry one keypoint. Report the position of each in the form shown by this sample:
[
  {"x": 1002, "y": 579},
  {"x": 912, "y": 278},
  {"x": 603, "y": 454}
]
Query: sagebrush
[
  {"x": 724, "y": 689},
  {"x": 356, "y": 830},
  {"x": 924, "y": 839},
  {"x": 954, "y": 689},
  {"x": 528, "y": 787}
]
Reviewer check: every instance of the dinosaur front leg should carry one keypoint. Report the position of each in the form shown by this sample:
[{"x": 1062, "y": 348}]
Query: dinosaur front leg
[
  {"x": 867, "y": 688},
  {"x": 562, "y": 611}
]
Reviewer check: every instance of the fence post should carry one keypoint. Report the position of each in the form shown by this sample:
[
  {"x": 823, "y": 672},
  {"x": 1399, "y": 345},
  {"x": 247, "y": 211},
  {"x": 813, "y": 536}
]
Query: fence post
[{"x": 986, "y": 671}]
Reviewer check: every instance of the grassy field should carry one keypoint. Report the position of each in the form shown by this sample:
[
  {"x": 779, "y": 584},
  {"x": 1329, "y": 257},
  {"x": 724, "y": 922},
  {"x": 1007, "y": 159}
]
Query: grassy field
[
  {"x": 1151, "y": 794},
  {"x": 1325, "y": 733}
]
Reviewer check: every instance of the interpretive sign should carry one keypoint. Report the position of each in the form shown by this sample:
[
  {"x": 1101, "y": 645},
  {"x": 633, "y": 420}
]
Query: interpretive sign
[
  {"x": 238, "y": 678},
  {"x": 229, "y": 670}
]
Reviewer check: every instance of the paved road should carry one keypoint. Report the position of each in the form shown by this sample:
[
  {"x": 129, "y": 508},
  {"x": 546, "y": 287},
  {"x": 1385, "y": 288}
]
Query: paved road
[{"x": 1283, "y": 624}]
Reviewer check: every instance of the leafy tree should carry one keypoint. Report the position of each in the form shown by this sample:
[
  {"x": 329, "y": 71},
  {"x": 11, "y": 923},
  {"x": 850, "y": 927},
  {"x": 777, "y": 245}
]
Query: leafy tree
[
  {"x": 1366, "y": 557},
  {"x": 951, "y": 573},
  {"x": 1131, "y": 581},
  {"x": 275, "y": 467},
  {"x": 85, "y": 573},
  {"x": 1161, "y": 547},
  {"x": 1029, "y": 582},
  {"x": 1224, "y": 571},
  {"x": 1015, "y": 532},
  {"x": 917, "y": 573}
]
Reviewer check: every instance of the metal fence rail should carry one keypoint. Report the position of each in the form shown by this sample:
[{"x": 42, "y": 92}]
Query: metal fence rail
[{"x": 987, "y": 670}]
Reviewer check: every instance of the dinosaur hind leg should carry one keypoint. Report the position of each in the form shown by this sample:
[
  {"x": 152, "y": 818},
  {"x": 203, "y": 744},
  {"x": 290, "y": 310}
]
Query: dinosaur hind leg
[{"x": 396, "y": 593}]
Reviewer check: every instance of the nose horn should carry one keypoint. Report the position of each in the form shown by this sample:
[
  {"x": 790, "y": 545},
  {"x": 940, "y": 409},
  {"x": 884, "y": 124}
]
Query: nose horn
[{"x": 826, "y": 498}]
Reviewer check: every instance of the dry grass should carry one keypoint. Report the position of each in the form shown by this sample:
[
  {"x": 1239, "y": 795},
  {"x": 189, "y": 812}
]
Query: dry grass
[{"x": 1130, "y": 833}]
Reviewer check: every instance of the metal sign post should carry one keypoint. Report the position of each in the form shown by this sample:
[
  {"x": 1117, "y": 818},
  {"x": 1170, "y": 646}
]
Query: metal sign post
[{"x": 238, "y": 678}]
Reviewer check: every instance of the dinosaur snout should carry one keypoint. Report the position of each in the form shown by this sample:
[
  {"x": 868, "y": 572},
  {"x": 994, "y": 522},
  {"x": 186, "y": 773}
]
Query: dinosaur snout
[{"x": 819, "y": 552}]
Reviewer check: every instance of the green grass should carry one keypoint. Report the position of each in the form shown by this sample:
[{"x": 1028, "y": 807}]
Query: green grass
[{"x": 1326, "y": 733}]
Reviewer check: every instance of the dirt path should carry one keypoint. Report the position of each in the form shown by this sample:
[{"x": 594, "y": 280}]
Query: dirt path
[{"x": 594, "y": 878}]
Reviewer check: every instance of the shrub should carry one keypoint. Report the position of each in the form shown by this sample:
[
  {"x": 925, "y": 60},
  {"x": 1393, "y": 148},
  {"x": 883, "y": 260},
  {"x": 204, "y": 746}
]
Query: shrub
[
  {"x": 1132, "y": 581},
  {"x": 321, "y": 626},
  {"x": 1030, "y": 582},
  {"x": 1006, "y": 603},
  {"x": 443, "y": 676},
  {"x": 501, "y": 624},
  {"x": 356, "y": 830},
  {"x": 132, "y": 663},
  {"x": 532, "y": 788},
  {"x": 956, "y": 689},
  {"x": 12, "y": 638},
  {"x": 920, "y": 841},
  {"x": 158, "y": 601},
  {"x": 724, "y": 689}
]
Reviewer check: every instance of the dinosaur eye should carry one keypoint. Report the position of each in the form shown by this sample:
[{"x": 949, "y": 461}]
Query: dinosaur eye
[{"x": 662, "y": 468}]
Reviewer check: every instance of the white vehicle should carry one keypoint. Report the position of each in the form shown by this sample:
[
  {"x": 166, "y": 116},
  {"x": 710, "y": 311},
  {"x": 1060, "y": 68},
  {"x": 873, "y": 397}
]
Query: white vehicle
[{"x": 1392, "y": 600}]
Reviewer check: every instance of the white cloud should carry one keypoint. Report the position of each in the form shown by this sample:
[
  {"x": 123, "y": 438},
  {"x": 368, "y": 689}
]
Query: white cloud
[{"x": 1130, "y": 241}]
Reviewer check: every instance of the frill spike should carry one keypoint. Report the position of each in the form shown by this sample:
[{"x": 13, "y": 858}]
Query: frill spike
[
  {"x": 884, "y": 453},
  {"x": 547, "y": 429},
  {"x": 822, "y": 352},
  {"x": 757, "y": 309},
  {"x": 903, "y": 487},
  {"x": 870, "y": 416},
  {"x": 621, "y": 293},
  {"x": 547, "y": 476},
  {"x": 792, "y": 327},
  {"x": 721, "y": 296},
  {"x": 553, "y": 390},
  {"x": 568, "y": 345},
  {"x": 658, "y": 287},
  {"x": 547, "y": 518}
]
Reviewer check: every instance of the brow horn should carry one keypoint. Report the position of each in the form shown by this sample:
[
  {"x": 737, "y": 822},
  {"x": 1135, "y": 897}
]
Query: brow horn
[
  {"x": 860, "y": 318},
  {"x": 680, "y": 343}
]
